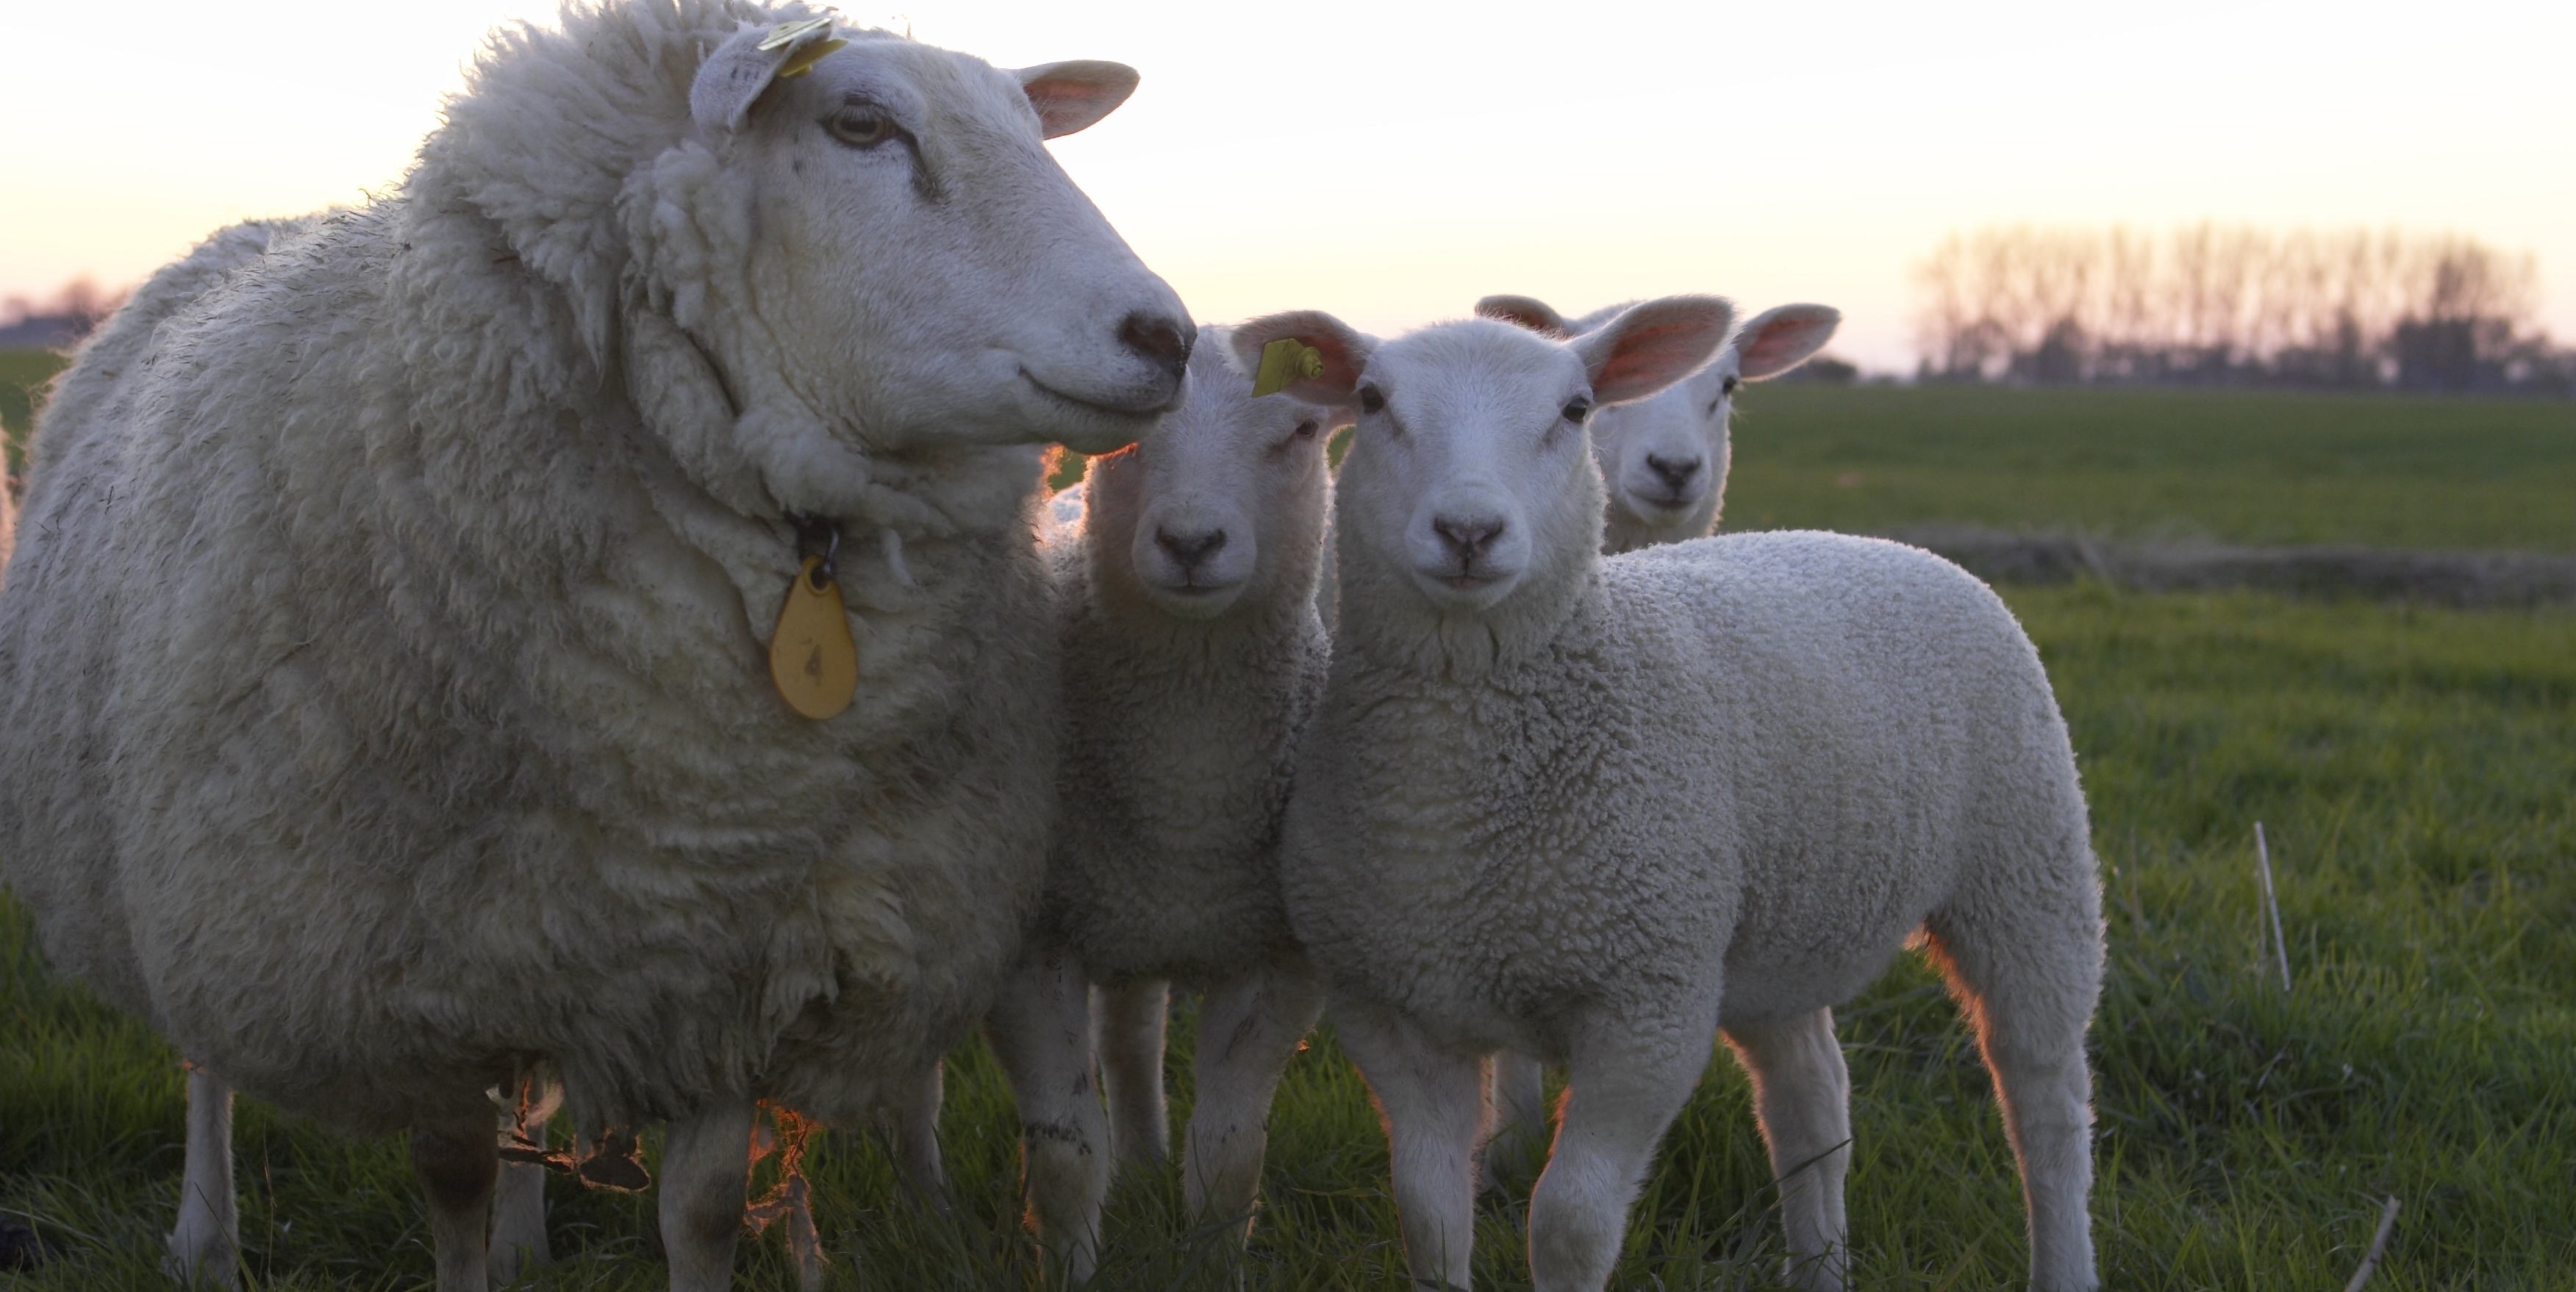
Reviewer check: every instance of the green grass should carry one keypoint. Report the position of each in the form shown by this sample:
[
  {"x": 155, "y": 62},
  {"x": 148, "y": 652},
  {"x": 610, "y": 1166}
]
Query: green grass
[
  {"x": 2236, "y": 466},
  {"x": 21, "y": 373},
  {"x": 2414, "y": 771}
]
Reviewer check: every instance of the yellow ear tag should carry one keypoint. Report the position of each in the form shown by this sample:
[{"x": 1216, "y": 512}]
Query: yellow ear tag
[
  {"x": 1284, "y": 361},
  {"x": 787, "y": 33},
  {"x": 803, "y": 60},
  {"x": 811, "y": 659}
]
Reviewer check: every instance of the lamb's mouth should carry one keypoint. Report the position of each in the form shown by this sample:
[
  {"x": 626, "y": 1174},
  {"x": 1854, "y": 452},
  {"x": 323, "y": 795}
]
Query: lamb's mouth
[{"x": 1467, "y": 582}]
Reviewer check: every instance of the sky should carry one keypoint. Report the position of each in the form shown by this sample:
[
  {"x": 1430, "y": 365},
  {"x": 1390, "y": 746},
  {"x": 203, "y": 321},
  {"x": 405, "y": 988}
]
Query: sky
[{"x": 1391, "y": 162}]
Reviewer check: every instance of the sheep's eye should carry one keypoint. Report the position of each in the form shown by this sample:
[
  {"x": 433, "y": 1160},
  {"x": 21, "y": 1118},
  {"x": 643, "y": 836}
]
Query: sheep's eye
[
  {"x": 860, "y": 126},
  {"x": 1728, "y": 386},
  {"x": 1578, "y": 410},
  {"x": 1372, "y": 400},
  {"x": 1306, "y": 429}
]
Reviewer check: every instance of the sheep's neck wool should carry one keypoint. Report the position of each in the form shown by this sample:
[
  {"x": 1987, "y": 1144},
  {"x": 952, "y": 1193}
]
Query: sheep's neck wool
[{"x": 811, "y": 659}]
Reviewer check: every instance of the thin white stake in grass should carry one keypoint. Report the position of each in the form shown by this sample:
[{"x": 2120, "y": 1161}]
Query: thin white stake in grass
[
  {"x": 2378, "y": 1247},
  {"x": 2263, "y": 875}
]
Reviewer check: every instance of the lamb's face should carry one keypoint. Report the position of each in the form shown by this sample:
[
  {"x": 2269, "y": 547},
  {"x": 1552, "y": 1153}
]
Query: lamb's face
[
  {"x": 1664, "y": 459},
  {"x": 924, "y": 273},
  {"x": 1223, "y": 504}
]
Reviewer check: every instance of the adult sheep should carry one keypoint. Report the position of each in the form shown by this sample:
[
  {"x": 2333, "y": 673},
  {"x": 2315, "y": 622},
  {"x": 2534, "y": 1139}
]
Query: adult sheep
[
  {"x": 1593, "y": 809},
  {"x": 1663, "y": 462},
  {"x": 384, "y": 703}
]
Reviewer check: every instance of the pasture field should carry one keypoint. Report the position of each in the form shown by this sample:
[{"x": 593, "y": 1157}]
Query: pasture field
[
  {"x": 21, "y": 372},
  {"x": 2414, "y": 770},
  {"x": 2251, "y": 467}
]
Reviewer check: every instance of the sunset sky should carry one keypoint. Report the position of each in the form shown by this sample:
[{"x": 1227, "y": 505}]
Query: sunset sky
[{"x": 1391, "y": 162}]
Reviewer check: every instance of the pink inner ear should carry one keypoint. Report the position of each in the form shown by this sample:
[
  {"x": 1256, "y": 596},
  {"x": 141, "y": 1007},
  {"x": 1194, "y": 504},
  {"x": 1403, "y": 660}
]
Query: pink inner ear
[
  {"x": 1065, "y": 105},
  {"x": 1649, "y": 358},
  {"x": 1782, "y": 344}
]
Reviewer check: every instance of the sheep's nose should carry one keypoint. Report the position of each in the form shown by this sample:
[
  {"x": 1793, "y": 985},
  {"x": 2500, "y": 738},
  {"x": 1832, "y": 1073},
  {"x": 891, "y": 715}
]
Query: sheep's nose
[
  {"x": 1187, "y": 550},
  {"x": 1468, "y": 536},
  {"x": 1160, "y": 340},
  {"x": 1676, "y": 472}
]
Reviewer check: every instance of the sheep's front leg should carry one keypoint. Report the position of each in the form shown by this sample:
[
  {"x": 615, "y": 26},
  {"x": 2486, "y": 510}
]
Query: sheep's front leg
[
  {"x": 457, "y": 1161},
  {"x": 1130, "y": 1022},
  {"x": 704, "y": 1174},
  {"x": 203, "y": 1244},
  {"x": 1520, "y": 1119},
  {"x": 519, "y": 1204},
  {"x": 1041, "y": 1031},
  {"x": 1432, "y": 1102},
  {"x": 1624, "y": 1087},
  {"x": 1248, "y": 1030},
  {"x": 1802, "y": 1096},
  {"x": 912, "y": 1119}
]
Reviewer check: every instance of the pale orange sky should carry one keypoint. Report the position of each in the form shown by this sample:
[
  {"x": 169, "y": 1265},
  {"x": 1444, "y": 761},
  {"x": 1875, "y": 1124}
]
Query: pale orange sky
[{"x": 1391, "y": 162}]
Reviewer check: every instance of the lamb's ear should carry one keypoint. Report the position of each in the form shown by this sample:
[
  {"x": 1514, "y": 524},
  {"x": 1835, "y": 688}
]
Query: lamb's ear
[
  {"x": 1073, "y": 95},
  {"x": 1652, "y": 344},
  {"x": 1782, "y": 337},
  {"x": 1527, "y": 311},
  {"x": 743, "y": 68},
  {"x": 1343, "y": 353}
]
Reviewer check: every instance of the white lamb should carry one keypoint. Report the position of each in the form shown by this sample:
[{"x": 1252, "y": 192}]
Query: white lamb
[
  {"x": 1193, "y": 658},
  {"x": 385, "y": 711},
  {"x": 1664, "y": 457},
  {"x": 1593, "y": 809},
  {"x": 1664, "y": 460}
]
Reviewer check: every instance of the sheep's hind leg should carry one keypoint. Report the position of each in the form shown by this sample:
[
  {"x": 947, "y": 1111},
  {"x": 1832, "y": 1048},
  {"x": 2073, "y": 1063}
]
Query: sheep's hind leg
[
  {"x": 1248, "y": 1030},
  {"x": 1130, "y": 1022},
  {"x": 203, "y": 1245},
  {"x": 1520, "y": 1119},
  {"x": 1802, "y": 1097},
  {"x": 704, "y": 1174},
  {"x": 2027, "y": 983},
  {"x": 1040, "y": 1028},
  {"x": 1622, "y": 1091},
  {"x": 1433, "y": 1103},
  {"x": 458, "y": 1161}
]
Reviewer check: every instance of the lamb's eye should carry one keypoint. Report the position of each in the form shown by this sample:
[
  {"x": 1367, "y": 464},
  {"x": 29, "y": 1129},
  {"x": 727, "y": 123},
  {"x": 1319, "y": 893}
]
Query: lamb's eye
[
  {"x": 1372, "y": 400},
  {"x": 1306, "y": 429},
  {"x": 1728, "y": 386},
  {"x": 1577, "y": 410},
  {"x": 860, "y": 126}
]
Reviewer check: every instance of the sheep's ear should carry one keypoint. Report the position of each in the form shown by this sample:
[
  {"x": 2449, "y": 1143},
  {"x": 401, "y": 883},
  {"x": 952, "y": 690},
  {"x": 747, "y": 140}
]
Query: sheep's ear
[
  {"x": 1782, "y": 337},
  {"x": 1652, "y": 344},
  {"x": 1343, "y": 353},
  {"x": 743, "y": 68},
  {"x": 1527, "y": 311},
  {"x": 1074, "y": 95}
]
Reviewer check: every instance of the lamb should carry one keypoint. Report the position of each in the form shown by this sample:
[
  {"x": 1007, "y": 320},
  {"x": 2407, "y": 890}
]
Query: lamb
[
  {"x": 385, "y": 710},
  {"x": 1664, "y": 458},
  {"x": 1193, "y": 655},
  {"x": 1593, "y": 809}
]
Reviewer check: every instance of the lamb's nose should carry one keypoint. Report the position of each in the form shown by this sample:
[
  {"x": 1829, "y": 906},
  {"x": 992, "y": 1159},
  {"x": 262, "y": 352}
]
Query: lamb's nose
[
  {"x": 1467, "y": 536},
  {"x": 1160, "y": 340},
  {"x": 1676, "y": 472},
  {"x": 1187, "y": 550}
]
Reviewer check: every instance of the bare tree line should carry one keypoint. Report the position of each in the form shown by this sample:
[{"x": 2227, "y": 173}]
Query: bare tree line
[{"x": 2234, "y": 304}]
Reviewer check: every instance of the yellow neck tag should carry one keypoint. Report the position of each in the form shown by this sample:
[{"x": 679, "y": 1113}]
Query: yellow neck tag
[
  {"x": 812, "y": 661},
  {"x": 1283, "y": 361}
]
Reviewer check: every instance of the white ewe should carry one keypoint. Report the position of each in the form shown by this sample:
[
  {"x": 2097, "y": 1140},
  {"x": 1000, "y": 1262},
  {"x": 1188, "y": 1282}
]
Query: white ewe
[
  {"x": 1664, "y": 457},
  {"x": 1664, "y": 460},
  {"x": 1593, "y": 809},
  {"x": 384, "y": 701},
  {"x": 1193, "y": 657}
]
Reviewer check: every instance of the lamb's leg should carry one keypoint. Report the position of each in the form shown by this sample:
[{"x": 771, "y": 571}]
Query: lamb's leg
[
  {"x": 1623, "y": 1088},
  {"x": 1040, "y": 1028},
  {"x": 457, "y": 1161},
  {"x": 1432, "y": 1103},
  {"x": 912, "y": 1117},
  {"x": 1248, "y": 1030},
  {"x": 519, "y": 1205},
  {"x": 704, "y": 1174},
  {"x": 202, "y": 1247},
  {"x": 1520, "y": 1117},
  {"x": 1802, "y": 1095},
  {"x": 1130, "y": 1024},
  {"x": 2028, "y": 983}
]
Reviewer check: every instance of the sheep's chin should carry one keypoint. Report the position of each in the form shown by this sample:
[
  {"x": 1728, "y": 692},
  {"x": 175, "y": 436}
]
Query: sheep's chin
[{"x": 1194, "y": 601}]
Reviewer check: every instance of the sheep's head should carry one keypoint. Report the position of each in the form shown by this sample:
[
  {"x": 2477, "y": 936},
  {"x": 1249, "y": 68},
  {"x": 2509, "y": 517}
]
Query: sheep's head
[
  {"x": 1664, "y": 459},
  {"x": 867, "y": 241},
  {"x": 1223, "y": 505},
  {"x": 1471, "y": 475}
]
